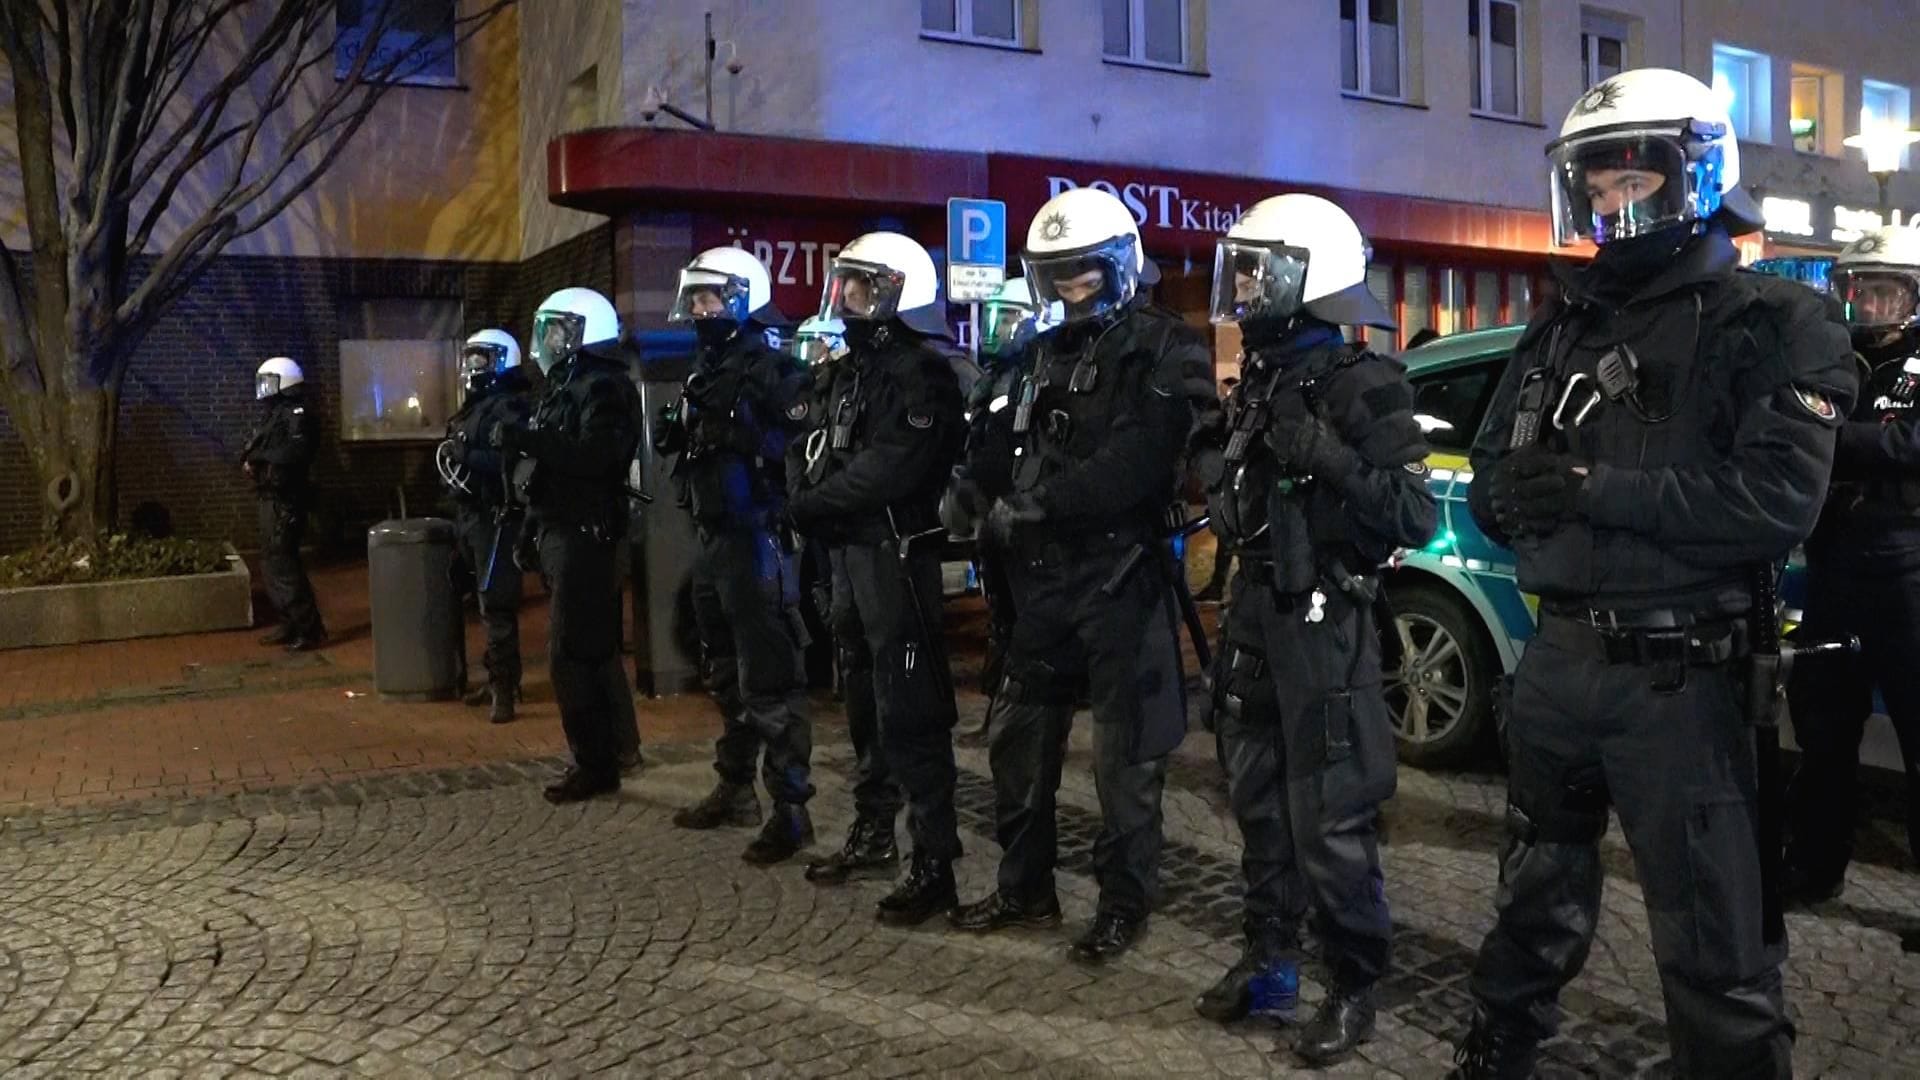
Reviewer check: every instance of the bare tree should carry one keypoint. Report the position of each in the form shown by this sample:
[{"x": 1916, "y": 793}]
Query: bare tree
[{"x": 120, "y": 105}]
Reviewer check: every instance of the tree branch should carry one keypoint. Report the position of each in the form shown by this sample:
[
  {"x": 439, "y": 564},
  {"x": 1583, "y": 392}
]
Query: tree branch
[{"x": 327, "y": 126}]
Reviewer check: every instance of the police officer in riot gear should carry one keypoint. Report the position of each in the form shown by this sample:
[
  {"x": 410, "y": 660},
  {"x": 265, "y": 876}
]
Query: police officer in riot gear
[
  {"x": 866, "y": 484},
  {"x": 1863, "y": 567},
  {"x": 570, "y": 466},
  {"x": 487, "y": 521},
  {"x": 1324, "y": 476},
  {"x": 1658, "y": 444},
  {"x": 731, "y": 430},
  {"x": 1100, "y": 425},
  {"x": 279, "y": 459},
  {"x": 1009, "y": 322}
]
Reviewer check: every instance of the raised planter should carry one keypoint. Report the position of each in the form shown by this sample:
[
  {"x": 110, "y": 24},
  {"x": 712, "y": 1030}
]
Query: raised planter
[{"x": 133, "y": 608}]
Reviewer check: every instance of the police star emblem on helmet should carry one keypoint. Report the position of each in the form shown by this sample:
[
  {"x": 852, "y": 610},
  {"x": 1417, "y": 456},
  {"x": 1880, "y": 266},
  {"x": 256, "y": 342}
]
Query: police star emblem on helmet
[
  {"x": 1053, "y": 226},
  {"x": 1869, "y": 244},
  {"x": 1602, "y": 97}
]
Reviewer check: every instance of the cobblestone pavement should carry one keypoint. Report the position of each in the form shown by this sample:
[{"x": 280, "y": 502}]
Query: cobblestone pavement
[{"x": 451, "y": 923}]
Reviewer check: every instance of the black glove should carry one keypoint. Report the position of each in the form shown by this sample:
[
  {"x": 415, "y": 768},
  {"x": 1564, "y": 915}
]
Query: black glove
[
  {"x": 1546, "y": 489},
  {"x": 962, "y": 505},
  {"x": 1498, "y": 482},
  {"x": 1306, "y": 445},
  {"x": 1014, "y": 510}
]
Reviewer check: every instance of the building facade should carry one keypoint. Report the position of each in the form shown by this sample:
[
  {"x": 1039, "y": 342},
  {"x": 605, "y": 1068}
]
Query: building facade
[{"x": 559, "y": 151}]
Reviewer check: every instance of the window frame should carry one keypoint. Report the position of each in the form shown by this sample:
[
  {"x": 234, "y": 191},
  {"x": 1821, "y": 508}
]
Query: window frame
[
  {"x": 1363, "y": 54},
  {"x": 1895, "y": 92},
  {"x": 1492, "y": 369},
  {"x": 454, "y": 315},
  {"x": 1595, "y": 27},
  {"x": 964, "y": 34},
  {"x": 1136, "y": 55},
  {"x": 1757, "y": 75},
  {"x": 451, "y": 81},
  {"x": 1482, "y": 45}
]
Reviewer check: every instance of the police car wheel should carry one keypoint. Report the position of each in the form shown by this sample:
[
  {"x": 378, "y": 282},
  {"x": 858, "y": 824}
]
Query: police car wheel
[{"x": 1440, "y": 693}]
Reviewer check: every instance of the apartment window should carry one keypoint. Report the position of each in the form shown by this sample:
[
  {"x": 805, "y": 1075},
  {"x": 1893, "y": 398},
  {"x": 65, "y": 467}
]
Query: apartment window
[
  {"x": 1814, "y": 110},
  {"x": 398, "y": 364},
  {"x": 1741, "y": 79},
  {"x": 1380, "y": 284},
  {"x": 1146, "y": 31},
  {"x": 985, "y": 22},
  {"x": 1494, "y": 28},
  {"x": 1603, "y": 47},
  {"x": 1885, "y": 105},
  {"x": 1486, "y": 299},
  {"x": 1519, "y": 297},
  {"x": 1373, "y": 51},
  {"x": 416, "y": 40}
]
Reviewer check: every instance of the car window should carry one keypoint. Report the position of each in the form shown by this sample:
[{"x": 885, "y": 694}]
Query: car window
[{"x": 1450, "y": 404}]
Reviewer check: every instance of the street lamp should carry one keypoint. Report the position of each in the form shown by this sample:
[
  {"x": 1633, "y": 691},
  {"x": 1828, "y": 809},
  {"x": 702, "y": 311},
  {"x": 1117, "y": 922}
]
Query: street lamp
[{"x": 1883, "y": 147}]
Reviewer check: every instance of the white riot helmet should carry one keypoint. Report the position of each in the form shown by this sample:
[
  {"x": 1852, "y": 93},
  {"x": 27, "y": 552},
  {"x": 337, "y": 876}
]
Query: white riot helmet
[
  {"x": 569, "y": 321},
  {"x": 486, "y": 356},
  {"x": 818, "y": 341},
  {"x": 1877, "y": 278},
  {"x": 278, "y": 374},
  {"x": 722, "y": 282},
  {"x": 1081, "y": 239},
  {"x": 881, "y": 276},
  {"x": 1642, "y": 151},
  {"x": 1291, "y": 254},
  {"x": 1011, "y": 317}
]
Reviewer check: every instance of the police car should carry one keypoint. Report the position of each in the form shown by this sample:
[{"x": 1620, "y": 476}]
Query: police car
[{"x": 1460, "y": 615}]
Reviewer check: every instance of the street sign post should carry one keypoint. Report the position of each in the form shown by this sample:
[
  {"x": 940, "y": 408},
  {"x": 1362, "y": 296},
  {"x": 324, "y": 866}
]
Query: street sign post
[{"x": 976, "y": 255}]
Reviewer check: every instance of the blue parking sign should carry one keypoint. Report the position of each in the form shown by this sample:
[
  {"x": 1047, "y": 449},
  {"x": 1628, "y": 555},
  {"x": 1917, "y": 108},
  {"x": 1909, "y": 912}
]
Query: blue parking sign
[{"x": 976, "y": 248}]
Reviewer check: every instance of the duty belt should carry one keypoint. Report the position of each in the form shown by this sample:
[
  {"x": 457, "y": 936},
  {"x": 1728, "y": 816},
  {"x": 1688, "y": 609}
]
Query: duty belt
[{"x": 1696, "y": 644}]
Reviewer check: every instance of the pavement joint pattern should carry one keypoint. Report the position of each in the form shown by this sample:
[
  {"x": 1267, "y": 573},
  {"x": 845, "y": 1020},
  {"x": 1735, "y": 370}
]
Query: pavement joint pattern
[{"x": 451, "y": 923}]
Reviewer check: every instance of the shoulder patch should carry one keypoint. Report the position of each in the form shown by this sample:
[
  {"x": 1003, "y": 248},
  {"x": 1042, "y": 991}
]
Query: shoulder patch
[
  {"x": 797, "y": 411},
  {"x": 1417, "y": 468},
  {"x": 1816, "y": 403},
  {"x": 919, "y": 419},
  {"x": 299, "y": 409}
]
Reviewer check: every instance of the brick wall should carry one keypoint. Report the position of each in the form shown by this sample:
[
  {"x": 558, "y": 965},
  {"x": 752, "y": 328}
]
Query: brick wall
[{"x": 188, "y": 401}]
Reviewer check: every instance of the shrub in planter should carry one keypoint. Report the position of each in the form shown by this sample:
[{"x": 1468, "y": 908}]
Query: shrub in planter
[{"x": 111, "y": 557}]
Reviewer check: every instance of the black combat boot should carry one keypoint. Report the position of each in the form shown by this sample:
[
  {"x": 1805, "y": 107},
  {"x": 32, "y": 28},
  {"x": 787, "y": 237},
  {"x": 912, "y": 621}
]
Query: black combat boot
[
  {"x": 478, "y": 696},
  {"x": 1344, "y": 1021},
  {"x": 279, "y": 635},
  {"x": 503, "y": 696},
  {"x": 1107, "y": 937},
  {"x": 1493, "y": 1051},
  {"x": 998, "y": 912},
  {"x": 927, "y": 891},
  {"x": 1263, "y": 982},
  {"x": 578, "y": 786},
  {"x": 868, "y": 852},
  {"x": 788, "y": 830},
  {"x": 726, "y": 804}
]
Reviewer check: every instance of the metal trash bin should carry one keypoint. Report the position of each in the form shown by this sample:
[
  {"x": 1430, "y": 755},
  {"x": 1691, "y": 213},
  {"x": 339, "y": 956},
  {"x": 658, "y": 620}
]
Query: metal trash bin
[{"x": 419, "y": 638}]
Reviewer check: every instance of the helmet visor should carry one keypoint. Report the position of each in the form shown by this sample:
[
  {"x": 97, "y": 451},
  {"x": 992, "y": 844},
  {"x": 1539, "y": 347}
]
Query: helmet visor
[
  {"x": 1256, "y": 280},
  {"x": 266, "y": 384},
  {"x": 1086, "y": 282},
  {"x": 1878, "y": 298},
  {"x": 556, "y": 338},
  {"x": 1613, "y": 185},
  {"x": 1004, "y": 326},
  {"x": 861, "y": 290},
  {"x": 709, "y": 294}
]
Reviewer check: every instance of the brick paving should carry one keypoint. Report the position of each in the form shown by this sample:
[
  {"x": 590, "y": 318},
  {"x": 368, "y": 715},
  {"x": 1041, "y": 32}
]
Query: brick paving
[{"x": 339, "y": 887}]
